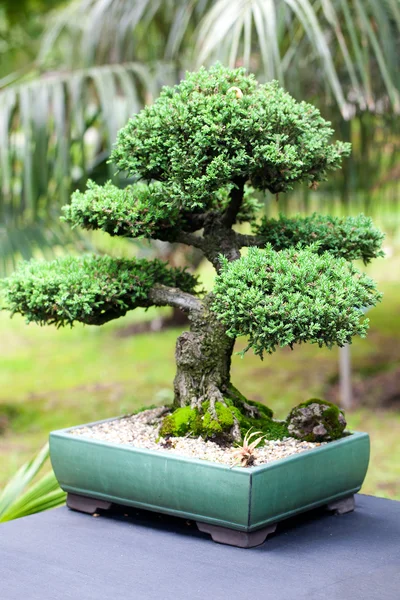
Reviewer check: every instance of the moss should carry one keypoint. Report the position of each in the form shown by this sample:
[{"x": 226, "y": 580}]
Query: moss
[
  {"x": 211, "y": 427},
  {"x": 273, "y": 430},
  {"x": 238, "y": 400},
  {"x": 180, "y": 422},
  {"x": 330, "y": 420},
  {"x": 318, "y": 401},
  {"x": 224, "y": 423},
  {"x": 189, "y": 420},
  {"x": 201, "y": 423},
  {"x": 263, "y": 409}
]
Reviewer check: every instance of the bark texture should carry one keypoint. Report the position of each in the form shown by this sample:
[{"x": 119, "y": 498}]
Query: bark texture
[{"x": 203, "y": 359}]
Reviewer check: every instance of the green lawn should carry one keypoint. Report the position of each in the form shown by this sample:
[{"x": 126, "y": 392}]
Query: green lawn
[{"x": 56, "y": 378}]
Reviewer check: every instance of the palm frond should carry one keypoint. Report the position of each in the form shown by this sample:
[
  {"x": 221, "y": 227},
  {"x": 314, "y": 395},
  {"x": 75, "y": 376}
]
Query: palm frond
[
  {"x": 22, "y": 497},
  {"x": 115, "y": 31},
  {"x": 54, "y": 133},
  {"x": 353, "y": 44},
  {"x": 229, "y": 26},
  {"x": 43, "y": 495},
  {"x": 22, "y": 241}
]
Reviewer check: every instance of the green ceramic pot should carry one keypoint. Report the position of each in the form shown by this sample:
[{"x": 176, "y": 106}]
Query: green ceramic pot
[{"x": 243, "y": 499}]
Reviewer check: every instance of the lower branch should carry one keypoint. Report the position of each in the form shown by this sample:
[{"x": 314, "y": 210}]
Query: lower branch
[
  {"x": 162, "y": 295},
  {"x": 246, "y": 241},
  {"x": 190, "y": 239}
]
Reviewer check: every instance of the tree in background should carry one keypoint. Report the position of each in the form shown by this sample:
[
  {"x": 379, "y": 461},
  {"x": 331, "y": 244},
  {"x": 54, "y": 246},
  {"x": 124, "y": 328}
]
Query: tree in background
[
  {"x": 102, "y": 61},
  {"x": 193, "y": 156}
]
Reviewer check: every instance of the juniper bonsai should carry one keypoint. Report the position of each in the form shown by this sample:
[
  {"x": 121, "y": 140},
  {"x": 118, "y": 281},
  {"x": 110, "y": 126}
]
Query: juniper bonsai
[{"x": 195, "y": 157}]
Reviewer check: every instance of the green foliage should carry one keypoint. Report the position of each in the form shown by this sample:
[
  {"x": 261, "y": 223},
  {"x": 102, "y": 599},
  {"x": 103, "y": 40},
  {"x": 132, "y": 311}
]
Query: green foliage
[
  {"x": 90, "y": 289},
  {"x": 348, "y": 237},
  {"x": 336, "y": 47},
  {"x": 138, "y": 210},
  {"x": 25, "y": 9},
  {"x": 141, "y": 210},
  {"x": 292, "y": 296},
  {"x": 330, "y": 49},
  {"x": 22, "y": 497},
  {"x": 220, "y": 127}
]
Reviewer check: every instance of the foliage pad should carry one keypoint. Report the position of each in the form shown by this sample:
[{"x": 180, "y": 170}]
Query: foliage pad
[
  {"x": 292, "y": 296},
  {"x": 220, "y": 126},
  {"x": 90, "y": 289},
  {"x": 136, "y": 211},
  {"x": 348, "y": 237}
]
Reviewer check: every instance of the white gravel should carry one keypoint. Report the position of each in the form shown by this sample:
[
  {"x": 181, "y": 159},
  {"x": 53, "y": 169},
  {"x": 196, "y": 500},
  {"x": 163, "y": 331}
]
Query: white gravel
[{"x": 141, "y": 431}]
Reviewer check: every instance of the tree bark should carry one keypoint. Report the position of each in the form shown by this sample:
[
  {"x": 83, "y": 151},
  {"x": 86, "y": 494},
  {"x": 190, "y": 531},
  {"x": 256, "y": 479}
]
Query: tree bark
[
  {"x": 163, "y": 295},
  {"x": 203, "y": 359}
]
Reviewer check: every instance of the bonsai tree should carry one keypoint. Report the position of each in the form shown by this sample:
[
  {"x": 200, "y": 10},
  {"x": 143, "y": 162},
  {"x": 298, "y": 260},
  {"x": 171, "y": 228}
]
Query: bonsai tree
[{"x": 196, "y": 156}]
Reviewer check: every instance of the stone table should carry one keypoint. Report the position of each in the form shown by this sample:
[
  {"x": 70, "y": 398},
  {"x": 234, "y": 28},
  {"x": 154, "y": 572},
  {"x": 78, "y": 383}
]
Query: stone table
[{"x": 137, "y": 555}]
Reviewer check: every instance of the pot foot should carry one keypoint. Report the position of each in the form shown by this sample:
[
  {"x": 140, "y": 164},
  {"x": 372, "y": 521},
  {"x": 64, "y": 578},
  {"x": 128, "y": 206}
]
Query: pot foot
[
  {"x": 232, "y": 537},
  {"x": 342, "y": 506},
  {"x": 86, "y": 504}
]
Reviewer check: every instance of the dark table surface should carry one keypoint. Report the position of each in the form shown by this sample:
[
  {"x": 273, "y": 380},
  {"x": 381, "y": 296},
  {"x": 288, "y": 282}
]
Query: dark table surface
[{"x": 61, "y": 554}]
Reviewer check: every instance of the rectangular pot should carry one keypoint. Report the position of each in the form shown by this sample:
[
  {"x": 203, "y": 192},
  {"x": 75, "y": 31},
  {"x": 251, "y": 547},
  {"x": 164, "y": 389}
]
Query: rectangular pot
[{"x": 244, "y": 499}]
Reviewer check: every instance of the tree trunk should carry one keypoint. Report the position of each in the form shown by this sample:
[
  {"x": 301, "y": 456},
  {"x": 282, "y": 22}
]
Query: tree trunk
[
  {"x": 206, "y": 403},
  {"x": 203, "y": 359}
]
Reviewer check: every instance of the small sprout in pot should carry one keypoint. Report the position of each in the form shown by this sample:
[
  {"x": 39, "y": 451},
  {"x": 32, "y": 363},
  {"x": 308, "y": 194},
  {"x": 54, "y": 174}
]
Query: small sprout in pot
[{"x": 245, "y": 454}]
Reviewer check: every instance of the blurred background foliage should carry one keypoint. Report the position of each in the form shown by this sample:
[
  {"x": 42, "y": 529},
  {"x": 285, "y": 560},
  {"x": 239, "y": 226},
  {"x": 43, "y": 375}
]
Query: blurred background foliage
[{"x": 71, "y": 73}]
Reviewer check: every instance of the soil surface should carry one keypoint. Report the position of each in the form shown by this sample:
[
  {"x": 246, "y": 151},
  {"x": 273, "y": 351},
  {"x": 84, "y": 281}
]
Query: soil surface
[{"x": 142, "y": 431}]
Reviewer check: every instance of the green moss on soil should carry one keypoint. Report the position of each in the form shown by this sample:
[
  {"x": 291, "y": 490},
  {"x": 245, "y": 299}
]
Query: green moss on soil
[
  {"x": 237, "y": 399},
  {"x": 183, "y": 421},
  {"x": 180, "y": 422},
  {"x": 273, "y": 430}
]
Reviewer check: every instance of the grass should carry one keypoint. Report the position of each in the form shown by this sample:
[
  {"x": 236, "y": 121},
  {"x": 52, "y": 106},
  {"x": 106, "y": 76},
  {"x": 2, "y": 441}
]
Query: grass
[{"x": 52, "y": 378}]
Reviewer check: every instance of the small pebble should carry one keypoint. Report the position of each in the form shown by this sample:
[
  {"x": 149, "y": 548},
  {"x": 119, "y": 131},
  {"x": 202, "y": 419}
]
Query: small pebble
[{"x": 142, "y": 431}]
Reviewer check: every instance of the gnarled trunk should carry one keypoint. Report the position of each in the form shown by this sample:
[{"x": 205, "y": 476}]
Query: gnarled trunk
[
  {"x": 206, "y": 403},
  {"x": 203, "y": 359}
]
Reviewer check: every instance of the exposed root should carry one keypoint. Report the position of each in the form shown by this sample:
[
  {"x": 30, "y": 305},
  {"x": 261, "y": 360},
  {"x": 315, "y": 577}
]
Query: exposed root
[
  {"x": 213, "y": 395},
  {"x": 252, "y": 411},
  {"x": 195, "y": 403},
  {"x": 156, "y": 413},
  {"x": 235, "y": 432}
]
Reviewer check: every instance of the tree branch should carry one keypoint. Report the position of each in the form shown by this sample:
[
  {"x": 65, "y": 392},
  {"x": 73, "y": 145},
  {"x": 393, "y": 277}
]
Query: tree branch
[
  {"x": 244, "y": 240},
  {"x": 231, "y": 212},
  {"x": 195, "y": 221},
  {"x": 162, "y": 295},
  {"x": 190, "y": 239}
]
